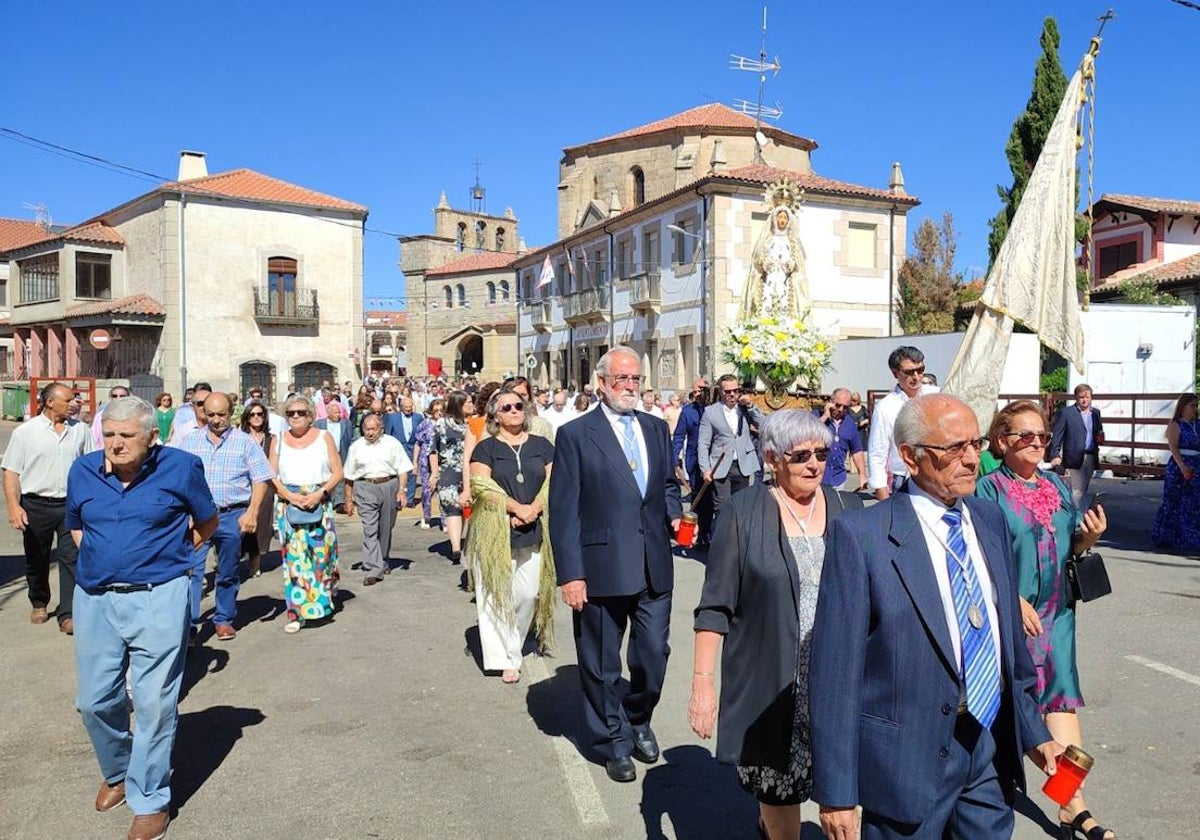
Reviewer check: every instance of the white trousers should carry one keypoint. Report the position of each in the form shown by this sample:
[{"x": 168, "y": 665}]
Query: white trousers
[{"x": 502, "y": 639}]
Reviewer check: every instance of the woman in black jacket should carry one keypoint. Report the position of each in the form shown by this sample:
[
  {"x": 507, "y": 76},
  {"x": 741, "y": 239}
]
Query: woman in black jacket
[{"x": 760, "y": 594}]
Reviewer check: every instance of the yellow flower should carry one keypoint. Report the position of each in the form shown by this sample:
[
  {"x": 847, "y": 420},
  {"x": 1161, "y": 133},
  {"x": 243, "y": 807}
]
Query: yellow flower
[
  {"x": 781, "y": 336},
  {"x": 746, "y": 352}
]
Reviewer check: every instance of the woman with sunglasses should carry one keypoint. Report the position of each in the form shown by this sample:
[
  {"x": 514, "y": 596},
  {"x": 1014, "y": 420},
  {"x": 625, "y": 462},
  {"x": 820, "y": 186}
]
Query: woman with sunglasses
[
  {"x": 256, "y": 424},
  {"x": 509, "y": 546},
  {"x": 421, "y": 450},
  {"x": 1177, "y": 525},
  {"x": 1046, "y": 529},
  {"x": 307, "y": 468},
  {"x": 760, "y": 593},
  {"x": 164, "y": 413}
]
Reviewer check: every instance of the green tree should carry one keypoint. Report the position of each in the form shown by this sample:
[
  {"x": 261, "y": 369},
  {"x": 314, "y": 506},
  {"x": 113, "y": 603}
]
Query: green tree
[
  {"x": 1029, "y": 133},
  {"x": 929, "y": 288},
  {"x": 1143, "y": 290}
]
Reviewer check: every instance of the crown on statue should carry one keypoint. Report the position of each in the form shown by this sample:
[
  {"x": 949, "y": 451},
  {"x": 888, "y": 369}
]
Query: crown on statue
[{"x": 784, "y": 193}]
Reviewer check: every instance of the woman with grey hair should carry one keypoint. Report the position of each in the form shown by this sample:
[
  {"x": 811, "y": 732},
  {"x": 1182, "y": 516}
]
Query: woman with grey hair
[
  {"x": 307, "y": 468},
  {"x": 760, "y": 594},
  {"x": 509, "y": 545}
]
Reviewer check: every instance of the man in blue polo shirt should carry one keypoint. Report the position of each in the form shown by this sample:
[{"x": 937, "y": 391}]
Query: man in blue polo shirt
[
  {"x": 846, "y": 443},
  {"x": 137, "y": 512},
  {"x": 237, "y": 473}
]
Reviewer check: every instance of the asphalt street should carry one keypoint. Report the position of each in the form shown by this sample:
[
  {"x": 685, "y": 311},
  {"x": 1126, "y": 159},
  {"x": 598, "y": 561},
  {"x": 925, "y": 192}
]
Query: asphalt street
[{"x": 380, "y": 724}]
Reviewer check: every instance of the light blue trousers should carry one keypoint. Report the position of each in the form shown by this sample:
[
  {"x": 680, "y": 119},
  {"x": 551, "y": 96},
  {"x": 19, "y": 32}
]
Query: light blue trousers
[{"x": 146, "y": 633}]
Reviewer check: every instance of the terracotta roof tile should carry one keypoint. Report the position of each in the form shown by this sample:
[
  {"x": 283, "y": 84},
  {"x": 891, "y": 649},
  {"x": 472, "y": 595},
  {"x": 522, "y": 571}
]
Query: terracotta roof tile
[
  {"x": 1176, "y": 271},
  {"x": 139, "y": 304},
  {"x": 711, "y": 116},
  {"x": 1154, "y": 205},
  {"x": 385, "y": 318},
  {"x": 487, "y": 261},
  {"x": 760, "y": 174},
  {"x": 93, "y": 232},
  {"x": 17, "y": 233},
  {"x": 248, "y": 184}
]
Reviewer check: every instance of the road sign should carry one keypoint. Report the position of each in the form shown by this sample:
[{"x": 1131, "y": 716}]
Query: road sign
[{"x": 100, "y": 339}]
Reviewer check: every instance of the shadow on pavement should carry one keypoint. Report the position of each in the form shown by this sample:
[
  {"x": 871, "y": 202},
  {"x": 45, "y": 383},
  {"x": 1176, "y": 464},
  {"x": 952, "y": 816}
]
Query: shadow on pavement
[
  {"x": 201, "y": 661},
  {"x": 472, "y": 646},
  {"x": 12, "y": 567},
  {"x": 556, "y": 706},
  {"x": 262, "y": 608},
  {"x": 1028, "y": 809},
  {"x": 202, "y": 742},
  {"x": 700, "y": 797}
]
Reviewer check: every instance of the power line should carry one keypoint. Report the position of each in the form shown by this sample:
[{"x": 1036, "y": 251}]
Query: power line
[
  {"x": 141, "y": 174},
  {"x": 1188, "y": 5}
]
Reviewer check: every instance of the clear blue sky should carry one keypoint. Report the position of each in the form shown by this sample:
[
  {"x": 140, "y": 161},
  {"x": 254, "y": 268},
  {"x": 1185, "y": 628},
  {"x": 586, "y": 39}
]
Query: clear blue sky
[{"x": 387, "y": 104}]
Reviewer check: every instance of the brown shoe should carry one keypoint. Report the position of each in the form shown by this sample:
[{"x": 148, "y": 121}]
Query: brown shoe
[
  {"x": 150, "y": 826},
  {"x": 224, "y": 632},
  {"x": 39, "y": 615},
  {"x": 67, "y": 625},
  {"x": 110, "y": 796},
  {"x": 371, "y": 581}
]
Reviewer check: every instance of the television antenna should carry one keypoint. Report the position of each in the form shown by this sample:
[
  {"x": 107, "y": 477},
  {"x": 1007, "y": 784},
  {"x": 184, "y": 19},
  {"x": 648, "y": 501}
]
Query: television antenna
[
  {"x": 41, "y": 215},
  {"x": 757, "y": 109}
]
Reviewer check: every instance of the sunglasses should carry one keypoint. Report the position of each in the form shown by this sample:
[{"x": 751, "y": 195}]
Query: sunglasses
[
  {"x": 517, "y": 406},
  {"x": 1027, "y": 437},
  {"x": 917, "y": 371},
  {"x": 197, "y": 402},
  {"x": 256, "y": 414},
  {"x": 298, "y": 412},
  {"x": 801, "y": 456}
]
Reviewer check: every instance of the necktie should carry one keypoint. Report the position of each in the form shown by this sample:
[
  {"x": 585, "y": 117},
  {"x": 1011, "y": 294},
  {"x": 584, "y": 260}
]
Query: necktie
[
  {"x": 632, "y": 454},
  {"x": 979, "y": 667}
]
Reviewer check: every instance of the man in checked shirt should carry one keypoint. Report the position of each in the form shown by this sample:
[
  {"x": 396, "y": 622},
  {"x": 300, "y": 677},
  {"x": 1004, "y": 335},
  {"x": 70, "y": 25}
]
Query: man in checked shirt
[{"x": 237, "y": 473}]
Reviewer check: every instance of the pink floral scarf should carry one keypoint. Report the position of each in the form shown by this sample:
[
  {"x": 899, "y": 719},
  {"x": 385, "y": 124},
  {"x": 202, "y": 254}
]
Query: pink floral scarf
[{"x": 1041, "y": 499}]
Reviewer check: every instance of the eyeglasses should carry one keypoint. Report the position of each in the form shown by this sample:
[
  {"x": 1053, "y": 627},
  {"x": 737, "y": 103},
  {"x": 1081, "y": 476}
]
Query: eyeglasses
[
  {"x": 197, "y": 402},
  {"x": 256, "y": 414},
  {"x": 801, "y": 456},
  {"x": 298, "y": 412},
  {"x": 957, "y": 450},
  {"x": 517, "y": 406},
  {"x": 117, "y": 396},
  {"x": 1027, "y": 437},
  {"x": 917, "y": 371},
  {"x": 625, "y": 378}
]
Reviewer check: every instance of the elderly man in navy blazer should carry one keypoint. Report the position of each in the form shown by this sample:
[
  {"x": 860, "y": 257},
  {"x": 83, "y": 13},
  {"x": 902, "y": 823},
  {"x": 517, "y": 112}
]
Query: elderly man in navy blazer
[
  {"x": 921, "y": 687},
  {"x": 1075, "y": 440},
  {"x": 403, "y": 425},
  {"x": 614, "y": 503}
]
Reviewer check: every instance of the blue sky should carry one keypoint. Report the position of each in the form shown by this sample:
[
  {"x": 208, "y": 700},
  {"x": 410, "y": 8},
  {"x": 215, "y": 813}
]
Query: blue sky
[{"x": 388, "y": 104}]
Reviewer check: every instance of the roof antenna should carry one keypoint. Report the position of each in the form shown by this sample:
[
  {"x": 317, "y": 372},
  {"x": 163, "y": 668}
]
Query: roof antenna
[
  {"x": 757, "y": 109},
  {"x": 41, "y": 215}
]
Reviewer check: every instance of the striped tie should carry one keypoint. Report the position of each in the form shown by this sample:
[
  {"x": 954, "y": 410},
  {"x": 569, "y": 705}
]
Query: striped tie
[
  {"x": 631, "y": 453},
  {"x": 980, "y": 672}
]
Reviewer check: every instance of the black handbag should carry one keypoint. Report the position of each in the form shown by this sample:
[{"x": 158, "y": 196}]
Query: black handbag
[{"x": 1087, "y": 577}]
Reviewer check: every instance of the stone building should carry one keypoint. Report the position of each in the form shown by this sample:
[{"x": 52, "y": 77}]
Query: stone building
[
  {"x": 460, "y": 291},
  {"x": 386, "y": 340},
  {"x": 236, "y": 278},
  {"x": 14, "y": 233},
  {"x": 657, "y": 225}
]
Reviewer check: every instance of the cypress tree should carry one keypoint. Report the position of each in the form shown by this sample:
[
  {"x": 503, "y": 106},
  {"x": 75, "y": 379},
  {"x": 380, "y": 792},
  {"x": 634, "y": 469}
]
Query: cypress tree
[{"x": 1029, "y": 133}]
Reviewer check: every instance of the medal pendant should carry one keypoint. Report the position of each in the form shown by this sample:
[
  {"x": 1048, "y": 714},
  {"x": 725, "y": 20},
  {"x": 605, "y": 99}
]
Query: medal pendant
[
  {"x": 520, "y": 478},
  {"x": 975, "y": 616},
  {"x": 632, "y": 464}
]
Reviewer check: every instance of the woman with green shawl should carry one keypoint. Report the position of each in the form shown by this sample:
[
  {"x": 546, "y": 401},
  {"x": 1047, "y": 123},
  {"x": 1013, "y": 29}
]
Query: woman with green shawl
[{"x": 509, "y": 546}]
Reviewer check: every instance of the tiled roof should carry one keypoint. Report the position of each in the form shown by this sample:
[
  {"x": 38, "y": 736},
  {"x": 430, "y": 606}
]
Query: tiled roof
[
  {"x": 93, "y": 232},
  {"x": 760, "y": 174},
  {"x": 139, "y": 304},
  {"x": 1176, "y": 271},
  {"x": 711, "y": 116},
  {"x": 487, "y": 261},
  {"x": 1154, "y": 205},
  {"x": 385, "y": 318},
  {"x": 17, "y": 233},
  {"x": 248, "y": 184}
]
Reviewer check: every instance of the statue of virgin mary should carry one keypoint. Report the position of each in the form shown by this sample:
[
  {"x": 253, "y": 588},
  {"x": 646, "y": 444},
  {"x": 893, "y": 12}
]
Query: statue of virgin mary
[{"x": 777, "y": 284}]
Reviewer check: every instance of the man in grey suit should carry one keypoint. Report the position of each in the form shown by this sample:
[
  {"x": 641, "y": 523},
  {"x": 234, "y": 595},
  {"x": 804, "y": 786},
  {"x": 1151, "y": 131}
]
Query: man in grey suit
[
  {"x": 726, "y": 451},
  {"x": 921, "y": 688},
  {"x": 342, "y": 432}
]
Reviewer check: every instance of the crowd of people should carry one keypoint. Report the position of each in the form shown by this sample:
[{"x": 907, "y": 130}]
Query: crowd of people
[{"x": 885, "y": 622}]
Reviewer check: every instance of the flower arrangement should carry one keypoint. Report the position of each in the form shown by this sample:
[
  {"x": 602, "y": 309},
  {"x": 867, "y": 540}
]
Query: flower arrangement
[{"x": 779, "y": 350}]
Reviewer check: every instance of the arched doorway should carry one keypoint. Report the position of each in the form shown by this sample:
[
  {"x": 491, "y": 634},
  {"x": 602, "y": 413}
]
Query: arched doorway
[{"x": 470, "y": 354}]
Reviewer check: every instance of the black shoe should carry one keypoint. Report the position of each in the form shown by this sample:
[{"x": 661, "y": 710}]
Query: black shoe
[
  {"x": 455, "y": 558},
  {"x": 621, "y": 769},
  {"x": 645, "y": 746}
]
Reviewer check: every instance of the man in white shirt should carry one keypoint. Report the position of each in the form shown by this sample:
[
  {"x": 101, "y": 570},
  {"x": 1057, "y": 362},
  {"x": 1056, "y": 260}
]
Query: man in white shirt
[
  {"x": 558, "y": 412},
  {"x": 885, "y": 469},
  {"x": 190, "y": 416},
  {"x": 650, "y": 404},
  {"x": 376, "y": 471}
]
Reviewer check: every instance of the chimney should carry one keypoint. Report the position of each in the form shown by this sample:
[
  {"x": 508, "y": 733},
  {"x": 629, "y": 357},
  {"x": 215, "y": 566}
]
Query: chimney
[
  {"x": 718, "y": 160},
  {"x": 192, "y": 166},
  {"x": 896, "y": 182},
  {"x": 614, "y": 203}
]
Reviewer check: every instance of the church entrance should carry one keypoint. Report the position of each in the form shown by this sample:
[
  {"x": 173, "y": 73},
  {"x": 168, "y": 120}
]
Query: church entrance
[{"x": 470, "y": 355}]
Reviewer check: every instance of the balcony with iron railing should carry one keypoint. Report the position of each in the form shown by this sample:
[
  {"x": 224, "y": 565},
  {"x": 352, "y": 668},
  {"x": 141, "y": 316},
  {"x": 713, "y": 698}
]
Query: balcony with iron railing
[
  {"x": 276, "y": 308},
  {"x": 542, "y": 315},
  {"x": 586, "y": 305},
  {"x": 645, "y": 290}
]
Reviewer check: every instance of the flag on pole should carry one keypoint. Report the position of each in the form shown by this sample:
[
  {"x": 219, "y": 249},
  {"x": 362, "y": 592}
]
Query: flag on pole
[
  {"x": 570, "y": 266},
  {"x": 1033, "y": 278},
  {"x": 547, "y": 275}
]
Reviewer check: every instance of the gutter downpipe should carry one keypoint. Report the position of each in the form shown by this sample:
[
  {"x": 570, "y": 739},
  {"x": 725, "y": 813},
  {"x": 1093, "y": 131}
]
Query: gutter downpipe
[
  {"x": 891, "y": 267},
  {"x": 183, "y": 369},
  {"x": 705, "y": 370},
  {"x": 612, "y": 293}
]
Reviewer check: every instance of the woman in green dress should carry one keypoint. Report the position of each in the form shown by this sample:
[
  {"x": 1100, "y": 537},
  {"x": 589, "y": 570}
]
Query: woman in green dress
[
  {"x": 1047, "y": 529},
  {"x": 165, "y": 415}
]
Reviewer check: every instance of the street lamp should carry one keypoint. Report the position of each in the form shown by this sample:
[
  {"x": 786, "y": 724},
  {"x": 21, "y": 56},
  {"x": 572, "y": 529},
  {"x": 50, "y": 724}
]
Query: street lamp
[{"x": 704, "y": 367}]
